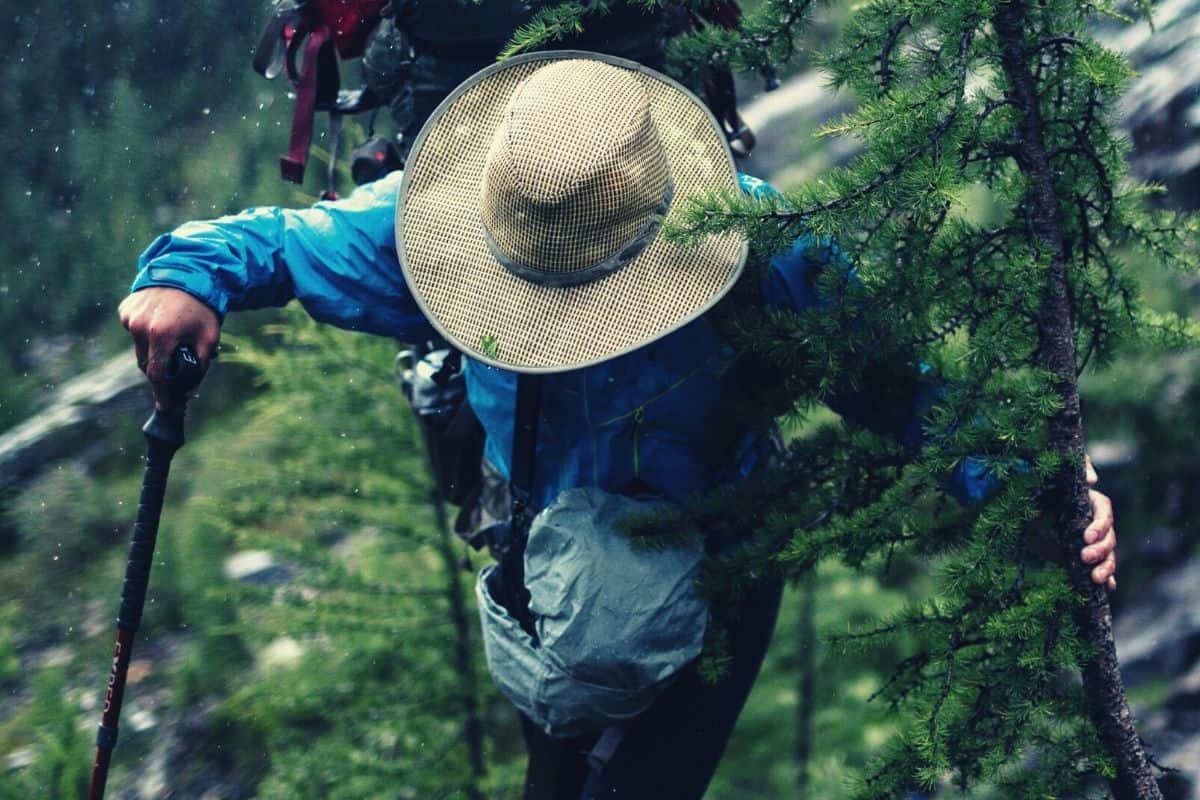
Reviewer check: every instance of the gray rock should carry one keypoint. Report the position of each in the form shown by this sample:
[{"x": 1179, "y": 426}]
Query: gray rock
[
  {"x": 1161, "y": 107},
  {"x": 260, "y": 567},
  {"x": 68, "y": 422},
  {"x": 1112, "y": 453},
  {"x": 784, "y": 122},
  {"x": 19, "y": 759},
  {"x": 1177, "y": 748},
  {"x": 1158, "y": 634}
]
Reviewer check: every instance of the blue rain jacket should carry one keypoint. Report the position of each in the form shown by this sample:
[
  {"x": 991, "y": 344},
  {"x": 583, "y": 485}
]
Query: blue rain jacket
[{"x": 647, "y": 415}]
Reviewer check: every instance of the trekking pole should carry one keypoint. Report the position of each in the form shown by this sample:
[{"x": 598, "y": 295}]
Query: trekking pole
[{"x": 164, "y": 435}]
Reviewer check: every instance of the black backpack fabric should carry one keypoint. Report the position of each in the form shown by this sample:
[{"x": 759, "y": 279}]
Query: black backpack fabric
[{"x": 428, "y": 47}]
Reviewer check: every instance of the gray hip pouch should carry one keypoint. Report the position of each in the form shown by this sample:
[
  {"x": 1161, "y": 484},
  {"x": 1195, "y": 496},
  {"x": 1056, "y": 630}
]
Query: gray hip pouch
[{"x": 614, "y": 624}]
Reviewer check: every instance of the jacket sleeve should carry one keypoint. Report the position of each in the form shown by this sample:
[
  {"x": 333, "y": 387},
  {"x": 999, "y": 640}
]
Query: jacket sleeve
[
  {"x": 337, "y": 258},
  {"x": 897, "y": 396}
]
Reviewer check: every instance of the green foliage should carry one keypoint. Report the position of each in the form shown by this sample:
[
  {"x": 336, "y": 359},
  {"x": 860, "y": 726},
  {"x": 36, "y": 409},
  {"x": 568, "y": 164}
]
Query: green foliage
[
  {"x": 351, "y": 685},
  {"x": 765, "y": 38},
  {"x": 559, "y": 21},
  {"x": 848, "y": 722},
  {"x": 66, "y": 517},
  {"x": 950, "y": 646},
  {"x": 112, "y": 138},
  {"x": 982, "y": 691},
  {"x": 10, "y": 663},
  {"x": 357, "y": 675},
  {"x": 61, "y": 750}
]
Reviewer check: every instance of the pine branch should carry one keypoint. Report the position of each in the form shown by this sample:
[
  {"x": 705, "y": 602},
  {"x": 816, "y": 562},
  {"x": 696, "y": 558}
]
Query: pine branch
[{"x": 1101, "y": 673}]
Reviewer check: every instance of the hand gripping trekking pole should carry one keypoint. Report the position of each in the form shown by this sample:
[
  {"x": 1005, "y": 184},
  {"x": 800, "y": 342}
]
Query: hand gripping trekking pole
[{"x": 164, "y": 435}]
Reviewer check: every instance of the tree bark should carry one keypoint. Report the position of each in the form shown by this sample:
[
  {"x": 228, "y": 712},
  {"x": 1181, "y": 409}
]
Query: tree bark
[
  {"x": 1102, "y": 683},
  {"x": 472, "y": 725},
  {"x": 463, "y": 622}
]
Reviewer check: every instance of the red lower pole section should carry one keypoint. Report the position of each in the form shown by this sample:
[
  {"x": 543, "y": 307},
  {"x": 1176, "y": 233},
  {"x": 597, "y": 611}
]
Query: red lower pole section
[{"x": 106, "y": 738}]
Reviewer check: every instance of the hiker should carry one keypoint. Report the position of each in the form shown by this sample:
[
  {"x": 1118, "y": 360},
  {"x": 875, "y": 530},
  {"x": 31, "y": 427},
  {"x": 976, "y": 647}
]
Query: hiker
[{"x": 526, "y": 230}]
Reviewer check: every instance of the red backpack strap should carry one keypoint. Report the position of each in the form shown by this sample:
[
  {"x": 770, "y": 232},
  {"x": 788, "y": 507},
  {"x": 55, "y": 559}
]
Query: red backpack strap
[
  {"x": 318, "y": 58},
  {"x": 351, "y": 22},
  {"x": 316, "y": 32}
]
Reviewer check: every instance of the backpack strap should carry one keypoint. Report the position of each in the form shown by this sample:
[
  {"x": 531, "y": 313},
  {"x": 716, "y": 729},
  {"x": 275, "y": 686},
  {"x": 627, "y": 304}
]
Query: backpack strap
[
  {"x": 318, "y": 79},
  {"x": 524, "y": 452},
  {"x": 510, "y": 591},
  {"x": 604, "y": 749}
]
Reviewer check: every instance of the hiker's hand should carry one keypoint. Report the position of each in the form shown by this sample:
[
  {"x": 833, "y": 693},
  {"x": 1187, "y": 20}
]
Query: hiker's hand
[
  {"x": 1100, "y": 536},
  {"x": 160, "y": 319}
]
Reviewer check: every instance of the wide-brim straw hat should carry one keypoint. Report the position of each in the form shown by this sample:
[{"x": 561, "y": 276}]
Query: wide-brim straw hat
[{"x": 529, "y": 221}]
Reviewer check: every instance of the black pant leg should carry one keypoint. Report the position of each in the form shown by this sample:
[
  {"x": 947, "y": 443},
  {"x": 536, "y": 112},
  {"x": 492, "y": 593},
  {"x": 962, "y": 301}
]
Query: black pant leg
[
  {"x": 557, "y": 768},
  {"x": 671, "y": 751}
]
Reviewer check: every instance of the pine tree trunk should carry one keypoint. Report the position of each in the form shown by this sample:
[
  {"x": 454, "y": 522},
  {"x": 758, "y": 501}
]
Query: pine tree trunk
[
  {"x": 463, "y": 622},
  {"x": 472, "y": 725},
  {"x": 1101, "y": 675}
]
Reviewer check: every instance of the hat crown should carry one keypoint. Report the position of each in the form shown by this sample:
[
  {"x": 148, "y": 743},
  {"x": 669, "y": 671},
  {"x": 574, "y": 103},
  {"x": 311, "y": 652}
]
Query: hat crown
[{"x": 576, "y": 176}]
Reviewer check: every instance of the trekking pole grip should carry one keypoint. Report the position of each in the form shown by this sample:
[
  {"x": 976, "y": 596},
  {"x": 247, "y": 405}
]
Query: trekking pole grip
[
  {"x": 183, "y": 375},
  {"x": 164, "y": 435}
]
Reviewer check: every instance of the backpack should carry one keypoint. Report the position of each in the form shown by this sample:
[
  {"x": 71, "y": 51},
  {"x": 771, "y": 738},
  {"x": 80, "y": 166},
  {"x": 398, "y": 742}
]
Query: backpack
[
  {"x": 423, "y": 51},
  {"x": 415, "y": 52},
  {"x": 306, "y": 39}
]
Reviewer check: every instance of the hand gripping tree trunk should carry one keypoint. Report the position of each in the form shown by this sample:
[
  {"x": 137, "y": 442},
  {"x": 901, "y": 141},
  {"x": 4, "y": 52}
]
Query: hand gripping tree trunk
[
  {"x": 989, "y": 167},
  {"x": 1101, "y": 674}
]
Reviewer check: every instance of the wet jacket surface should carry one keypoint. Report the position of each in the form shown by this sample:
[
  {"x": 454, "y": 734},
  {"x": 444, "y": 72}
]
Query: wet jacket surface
[{"x": 647, "y": 417}]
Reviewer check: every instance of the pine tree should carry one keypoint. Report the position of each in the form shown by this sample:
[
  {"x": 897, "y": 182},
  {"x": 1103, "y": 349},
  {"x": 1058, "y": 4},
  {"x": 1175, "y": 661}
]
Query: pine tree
[
  {"x": 387, "y": 697},
  {"x": 987, "y": 231},
  {"x": 115, "y": 129}
]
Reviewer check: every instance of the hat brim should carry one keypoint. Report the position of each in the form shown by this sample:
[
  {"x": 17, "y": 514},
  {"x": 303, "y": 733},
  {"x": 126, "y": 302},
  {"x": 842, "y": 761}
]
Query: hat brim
[{"x": 506, "y": 321}]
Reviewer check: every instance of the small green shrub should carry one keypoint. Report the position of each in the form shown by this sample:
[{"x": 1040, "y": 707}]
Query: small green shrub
[
  {"x": 65, "y": 517},
  {"x": 10, "y": 663},
  {"x": 60, "y": 768}
]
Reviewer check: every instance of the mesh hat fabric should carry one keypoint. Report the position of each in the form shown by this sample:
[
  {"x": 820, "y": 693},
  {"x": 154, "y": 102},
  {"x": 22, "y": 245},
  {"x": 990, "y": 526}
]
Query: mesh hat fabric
[
  {"x": 608, "y": 172},
  {"x": 563, "y": 156}
]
